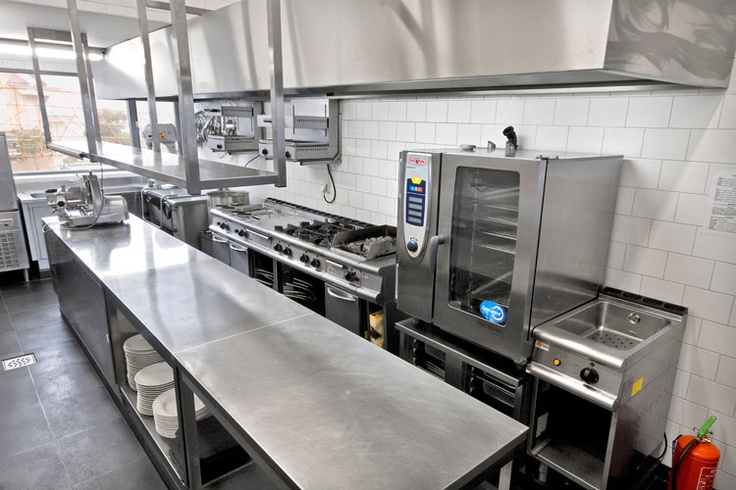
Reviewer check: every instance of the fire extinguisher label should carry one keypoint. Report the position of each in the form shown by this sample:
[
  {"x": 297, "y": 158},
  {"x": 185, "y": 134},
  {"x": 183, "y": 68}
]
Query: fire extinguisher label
[{"x": 706, "y": 478}]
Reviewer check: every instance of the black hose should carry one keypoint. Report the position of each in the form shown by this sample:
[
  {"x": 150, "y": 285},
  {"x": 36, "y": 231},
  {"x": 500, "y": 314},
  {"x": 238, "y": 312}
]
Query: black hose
[
  {"x": 334, "y": 189},
  {"x": 661, "y": 456},
  {"x": 676, "y": 466}
]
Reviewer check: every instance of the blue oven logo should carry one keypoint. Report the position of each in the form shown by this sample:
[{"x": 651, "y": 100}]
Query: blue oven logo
[{"x": 493, "y": 312}]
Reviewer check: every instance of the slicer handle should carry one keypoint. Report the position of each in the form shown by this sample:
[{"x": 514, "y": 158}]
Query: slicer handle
[{"x": 434, "y": 243}]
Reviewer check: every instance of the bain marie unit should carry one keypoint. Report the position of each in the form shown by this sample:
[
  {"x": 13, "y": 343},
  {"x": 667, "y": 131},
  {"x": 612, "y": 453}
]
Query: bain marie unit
[{"x": 494, "y": 242}]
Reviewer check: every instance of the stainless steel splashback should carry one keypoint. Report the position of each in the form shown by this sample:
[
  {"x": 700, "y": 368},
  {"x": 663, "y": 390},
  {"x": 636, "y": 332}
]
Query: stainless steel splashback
[{"x": 391, "y": 45}]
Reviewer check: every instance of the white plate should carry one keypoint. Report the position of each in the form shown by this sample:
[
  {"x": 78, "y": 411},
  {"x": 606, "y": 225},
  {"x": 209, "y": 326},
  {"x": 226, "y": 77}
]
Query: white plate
[
  {"x": 137, "y": 344},
  {"x": 155, "y": 375}
]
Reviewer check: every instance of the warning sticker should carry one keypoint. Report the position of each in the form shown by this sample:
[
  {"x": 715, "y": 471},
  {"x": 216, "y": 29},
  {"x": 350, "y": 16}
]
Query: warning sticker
[
  {"x": 636, "y": 387},
  {"x": 541, "y": 345}
]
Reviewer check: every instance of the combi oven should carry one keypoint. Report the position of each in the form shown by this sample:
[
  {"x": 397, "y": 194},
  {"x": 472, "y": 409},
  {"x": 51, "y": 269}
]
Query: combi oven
[{"x": 492, "y": 243}]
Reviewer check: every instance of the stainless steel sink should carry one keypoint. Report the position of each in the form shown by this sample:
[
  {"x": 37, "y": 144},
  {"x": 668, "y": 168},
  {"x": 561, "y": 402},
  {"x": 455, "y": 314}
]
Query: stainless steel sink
[
  {"x": 611, "y": 329},
  {"x": 38, "y": 195},
  {"x": 618, "y": 326}
]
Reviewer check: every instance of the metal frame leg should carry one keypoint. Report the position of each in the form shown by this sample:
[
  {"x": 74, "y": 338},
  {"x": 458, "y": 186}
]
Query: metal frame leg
[
  {"x": 188, "y": 426},
  {"x": 151, "y": 89},
  {"x": 504, "y": 476}
]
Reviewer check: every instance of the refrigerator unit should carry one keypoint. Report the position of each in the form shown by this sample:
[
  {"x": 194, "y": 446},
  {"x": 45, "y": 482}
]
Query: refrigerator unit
[{"x": 13, "y": 250}]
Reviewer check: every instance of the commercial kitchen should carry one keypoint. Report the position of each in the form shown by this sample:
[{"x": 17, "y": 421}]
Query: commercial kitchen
[{"x": 383, "y": 244}]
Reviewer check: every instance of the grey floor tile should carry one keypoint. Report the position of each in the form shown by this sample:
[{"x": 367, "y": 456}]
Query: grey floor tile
[
  {"x": 80, "y": 412},
  {"x": 38, "y": 468},
  {"x": 23, "y": 430},
  {"x": 137, "y": 475},
  {"x": 55, "y": 356},
  {"x": 66, "y": 381},
  {"x": 5, "y": 324},
  {"x": 31, "y": 301},
  {"x": 9, "y": 345},
  {"x": 23, "y": 289},
  {"x": 16, "y": 391},
  {"x": 36, "y": 318},
  {"x": 53, "y": 333},
  {"x": 3, "y": 309},
  {"x": 99, "y": 450}
]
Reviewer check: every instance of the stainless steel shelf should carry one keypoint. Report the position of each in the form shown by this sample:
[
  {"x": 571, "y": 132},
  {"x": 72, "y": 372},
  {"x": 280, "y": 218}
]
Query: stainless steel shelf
[
  {"x": 131, "y": 397},
  {"x": 583, "y": 468},
  {"x": 167, "y": 167}
]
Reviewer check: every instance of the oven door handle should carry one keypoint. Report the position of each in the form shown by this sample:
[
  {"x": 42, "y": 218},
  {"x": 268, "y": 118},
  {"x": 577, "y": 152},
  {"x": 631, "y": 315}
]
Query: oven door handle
[
  {"x": 260, "y": 235},
  {"x": 218, "y": 238},
  {"x": 339, "y": 294},
  {"x": 434, "y": 244}
]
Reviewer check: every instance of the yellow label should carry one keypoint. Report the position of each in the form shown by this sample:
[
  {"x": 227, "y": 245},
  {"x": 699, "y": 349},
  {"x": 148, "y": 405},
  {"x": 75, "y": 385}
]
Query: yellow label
[
  {"x": 636, "y": 387},
  {"x": 416, "y": 180}
]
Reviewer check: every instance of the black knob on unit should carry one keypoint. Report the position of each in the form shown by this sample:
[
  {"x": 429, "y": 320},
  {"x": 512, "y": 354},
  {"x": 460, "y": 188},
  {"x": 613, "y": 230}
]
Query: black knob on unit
[
  {"x": 589, "y": 375},
  {"x": 350, "y": 275},
  {"x": 304, "y": 258},
  {"x": 219, "y": 146},
  {"x": 264, "y": 151},
  {"x": 278, "y": 247},
  {"x": 287, "y": 251},
  {"x": 224, "y": 226},
  {"x": 241, "y": 232},
  {"x": 287, "y": 154},
  {"x": 315, "y": 262}
]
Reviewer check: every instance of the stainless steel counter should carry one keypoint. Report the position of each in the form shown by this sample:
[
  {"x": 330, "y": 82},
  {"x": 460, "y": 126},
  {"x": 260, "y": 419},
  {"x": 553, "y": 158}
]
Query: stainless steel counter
[{"x": 317, "y": 406}]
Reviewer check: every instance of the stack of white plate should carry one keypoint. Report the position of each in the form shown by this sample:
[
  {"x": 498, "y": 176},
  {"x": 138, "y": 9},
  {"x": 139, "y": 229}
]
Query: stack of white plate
[
  {"x": 151, "y": 381},
  {"x": 165, "y": 414},
  {"x": 138, "y": 354}
]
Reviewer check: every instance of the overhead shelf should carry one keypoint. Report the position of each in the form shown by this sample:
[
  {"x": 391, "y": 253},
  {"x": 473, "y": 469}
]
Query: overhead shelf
[{"x": 167, "y": 167}]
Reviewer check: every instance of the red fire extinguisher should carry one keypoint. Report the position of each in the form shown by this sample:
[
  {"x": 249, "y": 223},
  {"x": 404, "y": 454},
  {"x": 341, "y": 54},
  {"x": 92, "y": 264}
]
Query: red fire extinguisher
[{"x": 694, "y": 460}]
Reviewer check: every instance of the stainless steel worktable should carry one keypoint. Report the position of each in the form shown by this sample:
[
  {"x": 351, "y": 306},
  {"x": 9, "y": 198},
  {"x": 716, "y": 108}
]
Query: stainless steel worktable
[{"x": 321, "y": 407}]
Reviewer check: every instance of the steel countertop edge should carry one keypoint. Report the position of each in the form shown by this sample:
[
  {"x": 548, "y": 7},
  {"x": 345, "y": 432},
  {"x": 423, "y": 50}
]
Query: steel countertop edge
[{"x": 323, "y": 407}]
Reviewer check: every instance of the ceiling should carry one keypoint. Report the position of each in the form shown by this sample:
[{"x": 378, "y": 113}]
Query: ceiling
[{"x": 102, "y": 30}]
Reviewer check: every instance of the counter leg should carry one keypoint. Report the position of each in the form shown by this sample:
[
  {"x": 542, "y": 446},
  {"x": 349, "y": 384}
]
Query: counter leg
[
  {"x": 504, "y": 476},
  {"x": 188, "y": 421}
]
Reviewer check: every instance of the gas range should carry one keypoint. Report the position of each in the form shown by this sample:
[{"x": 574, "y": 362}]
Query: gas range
[{"x": 347, "y": 253}]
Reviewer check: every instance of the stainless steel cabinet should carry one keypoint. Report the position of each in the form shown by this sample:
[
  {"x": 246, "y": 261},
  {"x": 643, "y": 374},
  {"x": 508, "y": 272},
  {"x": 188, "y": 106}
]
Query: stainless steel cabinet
[
  {"x": 82, "y": 303},
  {"x": 33, "y": 212},
  {"x": 345, "y": 309},
  {"x": 239, "y": 258},
  {"x": 221, "y": 249}
]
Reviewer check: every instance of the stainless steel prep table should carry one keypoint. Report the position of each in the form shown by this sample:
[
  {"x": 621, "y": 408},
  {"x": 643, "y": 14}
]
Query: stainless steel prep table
[{"x": 316, "y": 406}]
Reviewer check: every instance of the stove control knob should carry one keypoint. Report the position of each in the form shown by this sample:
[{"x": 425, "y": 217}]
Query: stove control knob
[
  {"x": 287, "y": 251},
  {"x": 241, "y": 232},
  {"x": 224, "y": 226},
  {"x": 278, "y": 247},
  {"x": 589, "y": 375},
  {"x": 315, "y": 262},
  {"x": 304, "y": 258},
  {"x": 351, "y": 276},
  {"x": 412, "y": 245}
]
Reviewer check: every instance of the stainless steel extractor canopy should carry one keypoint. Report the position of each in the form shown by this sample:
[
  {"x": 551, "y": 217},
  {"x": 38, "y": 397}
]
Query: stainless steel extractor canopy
[{"x": 372, "y": 46}]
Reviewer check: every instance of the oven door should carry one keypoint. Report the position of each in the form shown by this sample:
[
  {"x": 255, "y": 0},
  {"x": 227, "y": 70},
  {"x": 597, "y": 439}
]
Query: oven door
[{"x": 490, "y": 210}]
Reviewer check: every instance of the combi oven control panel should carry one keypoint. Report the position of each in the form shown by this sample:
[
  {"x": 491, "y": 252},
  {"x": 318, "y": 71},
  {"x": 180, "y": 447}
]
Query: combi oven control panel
[{"x": 416, "y": 202}]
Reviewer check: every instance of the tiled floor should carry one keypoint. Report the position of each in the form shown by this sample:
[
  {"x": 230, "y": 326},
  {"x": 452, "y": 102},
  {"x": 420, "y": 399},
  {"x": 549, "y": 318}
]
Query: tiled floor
[{"x": 59, "y": 429}]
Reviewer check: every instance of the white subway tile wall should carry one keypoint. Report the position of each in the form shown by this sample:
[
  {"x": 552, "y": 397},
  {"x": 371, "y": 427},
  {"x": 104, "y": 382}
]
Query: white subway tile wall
[{"x": 672, "y": 143}]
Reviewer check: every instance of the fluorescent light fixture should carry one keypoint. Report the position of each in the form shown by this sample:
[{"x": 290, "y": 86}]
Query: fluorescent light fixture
[{"x": 45, "y": 52}]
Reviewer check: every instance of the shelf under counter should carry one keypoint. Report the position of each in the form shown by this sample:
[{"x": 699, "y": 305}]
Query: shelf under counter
[
  {"x": 167, "y": 167},
  {"x": 231, "y": 469}
]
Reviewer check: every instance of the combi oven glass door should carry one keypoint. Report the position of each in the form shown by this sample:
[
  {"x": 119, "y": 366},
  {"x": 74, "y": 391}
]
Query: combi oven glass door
[
  {"x": 489, "y": 215},
  {"x": 485, "y": 220}
]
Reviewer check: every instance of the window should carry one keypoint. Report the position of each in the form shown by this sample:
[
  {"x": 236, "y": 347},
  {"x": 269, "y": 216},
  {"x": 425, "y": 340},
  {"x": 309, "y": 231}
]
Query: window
[{"x": 20, "y": 118}]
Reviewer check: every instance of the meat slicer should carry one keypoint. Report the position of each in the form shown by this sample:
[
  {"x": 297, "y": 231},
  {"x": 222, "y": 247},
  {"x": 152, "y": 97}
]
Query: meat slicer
[{"x": 85, "y": 205}]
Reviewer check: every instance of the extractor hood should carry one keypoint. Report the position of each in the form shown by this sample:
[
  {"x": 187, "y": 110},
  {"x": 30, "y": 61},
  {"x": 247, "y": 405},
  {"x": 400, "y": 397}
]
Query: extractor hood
[{"x": 389, "y": 46}]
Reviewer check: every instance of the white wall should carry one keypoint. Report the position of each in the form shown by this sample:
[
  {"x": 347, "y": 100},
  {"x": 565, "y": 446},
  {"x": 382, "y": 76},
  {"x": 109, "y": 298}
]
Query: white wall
[{"x": 672, "y": 140}]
